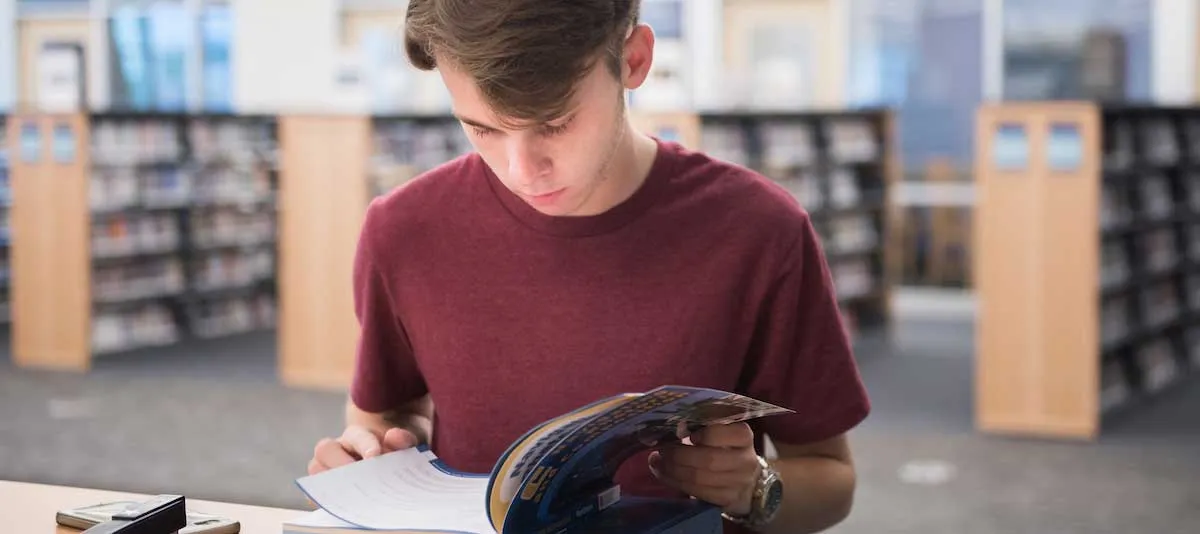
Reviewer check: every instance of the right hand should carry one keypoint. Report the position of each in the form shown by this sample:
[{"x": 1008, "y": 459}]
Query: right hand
[{"x": 357, "y": 443}]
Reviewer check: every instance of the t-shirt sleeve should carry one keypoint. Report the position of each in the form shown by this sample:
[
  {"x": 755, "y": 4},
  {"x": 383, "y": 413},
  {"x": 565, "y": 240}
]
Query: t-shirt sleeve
[
  {"x": 386, "y": 374},
  {"x": 801, "y": 357}
]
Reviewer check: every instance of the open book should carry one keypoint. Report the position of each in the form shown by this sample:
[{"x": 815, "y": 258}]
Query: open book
[{"x": 558, "y": 477}]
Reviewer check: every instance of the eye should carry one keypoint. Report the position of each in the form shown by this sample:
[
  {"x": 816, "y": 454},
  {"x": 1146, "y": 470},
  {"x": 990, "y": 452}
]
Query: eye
[
  {"x": 482, "y": 132},
  {"x": 551, "y": 131}
]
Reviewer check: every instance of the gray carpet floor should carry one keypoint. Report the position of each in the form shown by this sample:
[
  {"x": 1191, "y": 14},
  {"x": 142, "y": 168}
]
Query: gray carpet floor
[{"x": 210, "y": 421}]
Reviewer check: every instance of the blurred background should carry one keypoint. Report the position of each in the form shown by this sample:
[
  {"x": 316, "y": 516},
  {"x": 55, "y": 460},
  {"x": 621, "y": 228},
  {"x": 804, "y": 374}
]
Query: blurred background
[{"x": 1008, "y": 191}]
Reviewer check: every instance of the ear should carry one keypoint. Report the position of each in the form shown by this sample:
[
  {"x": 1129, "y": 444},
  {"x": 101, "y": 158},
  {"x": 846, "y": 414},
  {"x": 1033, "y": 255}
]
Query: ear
[{"x": 638, "y": 56}]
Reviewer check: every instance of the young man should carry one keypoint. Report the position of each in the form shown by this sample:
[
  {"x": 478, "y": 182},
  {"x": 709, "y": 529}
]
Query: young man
[{"x": 572, "y": 258}]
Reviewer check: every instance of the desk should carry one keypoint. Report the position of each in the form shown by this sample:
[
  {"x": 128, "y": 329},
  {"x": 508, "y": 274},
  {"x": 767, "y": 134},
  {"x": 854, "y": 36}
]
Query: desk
[{"x": 30, "y": 509}]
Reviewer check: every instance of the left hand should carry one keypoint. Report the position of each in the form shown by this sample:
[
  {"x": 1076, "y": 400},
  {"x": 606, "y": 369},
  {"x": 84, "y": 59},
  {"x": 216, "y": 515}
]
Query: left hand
[{"x": 720, "y": 467}]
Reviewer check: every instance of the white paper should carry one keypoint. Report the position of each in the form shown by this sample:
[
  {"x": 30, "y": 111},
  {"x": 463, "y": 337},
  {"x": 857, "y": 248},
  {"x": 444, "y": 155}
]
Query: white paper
[
  {"x": 319, "y": 519},
  {"x": 401, "y": 490}
]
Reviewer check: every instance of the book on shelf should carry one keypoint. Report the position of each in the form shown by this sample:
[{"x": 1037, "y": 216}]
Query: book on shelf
[
  {"x": 852, "y": 278},
  {"x": 1192, "y": 346},
  {"x": 232, "y": 316},
  {"x": 223, "y": 269},
  {"x": 843, "y": 188},
  {"x": 145, "y": 233},
  {"x": 1114, "y": 386},
  {"x": 1114, "y": 325},
  {"x": 135, "y": 281},
  {"x": 1160, "y": 304},
  {"x": 151, "y": 324},
  {"x": 787, "y": 145},
  {"x": 1192, "y": 290},
  {"x": 1158, "y": 364},
  {"x": 558, "y": 477},
  {"x": 1119, "y": 152},
  {"x": 1114, "y": 266},
  {"x": 1115, "y": 210},
  {"x": 849, "y": 234},
  {"x": 132, "y": 142},
  {"x": 1158, "y": 141},
  {"x": 725, "y": 142},
  {"x": 851, "y": 140},
  {"x": 1158, "y": 250},
  {"x": 1156, "y": 197}
]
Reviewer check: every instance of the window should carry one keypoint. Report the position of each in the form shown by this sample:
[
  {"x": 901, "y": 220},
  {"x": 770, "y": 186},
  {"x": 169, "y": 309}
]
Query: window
[
  {"x": 161, "y": 50},
  {"x": 216, "y": 36},
  {"x": 1077, "y": 49},
  {"x": 922, "y": 58}
]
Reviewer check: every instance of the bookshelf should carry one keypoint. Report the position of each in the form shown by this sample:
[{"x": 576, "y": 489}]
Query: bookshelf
[
  {"x": 1090, "y": 298},
  {"x": 5, "y": 204},
  {"x": 171, "y": 234},
  {"x": 840, "y": 166}
]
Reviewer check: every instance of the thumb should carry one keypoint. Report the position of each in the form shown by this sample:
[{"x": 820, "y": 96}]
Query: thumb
[{"x": 398, "y": 439}]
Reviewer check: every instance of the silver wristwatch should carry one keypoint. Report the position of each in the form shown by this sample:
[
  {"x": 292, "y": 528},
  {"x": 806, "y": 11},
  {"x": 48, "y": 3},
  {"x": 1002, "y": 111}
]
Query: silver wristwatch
[{"x": 766, "y": 501}]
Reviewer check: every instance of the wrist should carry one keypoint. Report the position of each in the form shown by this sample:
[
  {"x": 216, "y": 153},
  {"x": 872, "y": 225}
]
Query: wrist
[{"x": 766, "y": 499}]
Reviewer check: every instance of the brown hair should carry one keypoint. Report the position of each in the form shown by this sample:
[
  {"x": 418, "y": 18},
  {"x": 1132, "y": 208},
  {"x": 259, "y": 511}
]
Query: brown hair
[{"x": 527, "y": 56}]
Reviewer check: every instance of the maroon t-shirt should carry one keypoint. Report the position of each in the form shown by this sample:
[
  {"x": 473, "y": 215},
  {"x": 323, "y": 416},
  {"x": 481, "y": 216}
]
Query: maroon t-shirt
[{"x": 709, "y": 275}]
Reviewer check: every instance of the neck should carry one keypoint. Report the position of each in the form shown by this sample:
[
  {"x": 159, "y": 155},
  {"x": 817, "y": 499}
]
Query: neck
[{"x": 632, "y": 159}]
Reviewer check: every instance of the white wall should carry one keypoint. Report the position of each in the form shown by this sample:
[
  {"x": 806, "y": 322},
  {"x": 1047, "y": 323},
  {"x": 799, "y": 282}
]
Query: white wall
[
  {"x": 285, "y": 56},
  {"x": 8, "y": 54},
  {"x": 1174, "y": 50}
]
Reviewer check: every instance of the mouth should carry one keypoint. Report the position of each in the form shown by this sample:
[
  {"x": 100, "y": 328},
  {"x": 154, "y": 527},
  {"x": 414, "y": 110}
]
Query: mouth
[{"x": 546, "y": 198}]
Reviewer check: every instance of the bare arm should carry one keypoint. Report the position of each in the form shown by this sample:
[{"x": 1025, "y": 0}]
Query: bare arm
[
  {"x": 415, "y": 417},
  {"x": 818, "y": 485}
]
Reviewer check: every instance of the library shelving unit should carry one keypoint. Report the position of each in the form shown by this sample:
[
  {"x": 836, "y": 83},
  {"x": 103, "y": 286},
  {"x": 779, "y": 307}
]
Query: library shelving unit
[
  {"x": 840, "y": 166},
  {"x": 5, "y": 203},
  {"x": 1087, "y": 263},
  {"x": 138, "y": 230}
]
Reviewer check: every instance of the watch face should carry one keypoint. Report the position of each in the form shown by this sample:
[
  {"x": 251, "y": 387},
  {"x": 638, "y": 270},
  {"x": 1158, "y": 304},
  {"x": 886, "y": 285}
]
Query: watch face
[{"x": 773, "y": 498}]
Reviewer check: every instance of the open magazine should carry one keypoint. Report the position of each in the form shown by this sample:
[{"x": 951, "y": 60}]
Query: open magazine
[{"x": 558, "y": 477}]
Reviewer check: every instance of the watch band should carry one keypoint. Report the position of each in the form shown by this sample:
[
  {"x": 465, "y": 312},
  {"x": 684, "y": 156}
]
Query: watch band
[{"x": 761, "y": 512}]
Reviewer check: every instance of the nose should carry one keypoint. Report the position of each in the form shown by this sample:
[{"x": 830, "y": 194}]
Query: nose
[{"x": 526, "y": 161}]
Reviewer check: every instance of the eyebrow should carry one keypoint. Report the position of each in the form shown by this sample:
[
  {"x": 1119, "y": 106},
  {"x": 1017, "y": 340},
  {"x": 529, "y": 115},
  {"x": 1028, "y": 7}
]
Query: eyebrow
[
  {"x": 475, "y": 123},
  {"x": 484, "y": 126}
]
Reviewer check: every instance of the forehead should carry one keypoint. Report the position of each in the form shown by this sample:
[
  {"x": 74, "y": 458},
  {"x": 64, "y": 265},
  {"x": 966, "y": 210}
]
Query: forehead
[{"x": 594, "y": 89}]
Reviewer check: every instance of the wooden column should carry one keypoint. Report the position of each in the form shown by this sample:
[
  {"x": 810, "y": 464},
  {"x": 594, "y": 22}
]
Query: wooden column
[
  {"x": 51, "y": 242},
  {"x": 322, "y": 202},
  {"x": 1037, "y": 264}
]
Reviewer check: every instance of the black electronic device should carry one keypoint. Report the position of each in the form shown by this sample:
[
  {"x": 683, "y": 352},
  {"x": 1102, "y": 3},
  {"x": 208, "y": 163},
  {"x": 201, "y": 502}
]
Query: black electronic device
[{"x": 162, "y": 514}]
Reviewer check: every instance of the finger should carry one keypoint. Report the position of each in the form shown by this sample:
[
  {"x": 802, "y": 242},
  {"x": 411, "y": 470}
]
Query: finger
[
  {"x": 723, "y": 496},
  {"x": 711, "y": 458},
  {"x": 361, "y": 442},
  {"x": 399, "y": 439},
  {"x": 676, "y": 470},
  {"x": 735, "y": 436},
  {"x": 315, "y": 467},
  {"x": 330, "y": 454}
]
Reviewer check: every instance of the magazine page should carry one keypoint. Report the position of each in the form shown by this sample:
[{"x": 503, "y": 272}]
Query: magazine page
[
  {"x": 515, "y": 465},
  {"x": 403, "y": 490},
  {"x": 574, "y": 480}
]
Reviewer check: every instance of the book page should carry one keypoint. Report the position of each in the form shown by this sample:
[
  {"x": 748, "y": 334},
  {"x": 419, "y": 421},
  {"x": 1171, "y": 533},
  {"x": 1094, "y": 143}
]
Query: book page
[{"x": 402, "y": 490}]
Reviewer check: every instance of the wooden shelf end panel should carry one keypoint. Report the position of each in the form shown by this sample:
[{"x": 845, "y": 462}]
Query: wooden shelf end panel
[
  {"x": 50, "y": 242},
  {"x": 1036, "y": 267},
  {"x": 322, "y": 199}
]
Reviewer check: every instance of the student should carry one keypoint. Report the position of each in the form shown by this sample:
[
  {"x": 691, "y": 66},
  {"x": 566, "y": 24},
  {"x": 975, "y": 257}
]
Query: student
[{"x": 571, "y": 258}]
